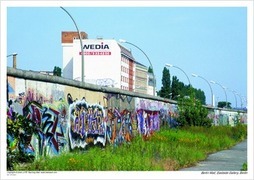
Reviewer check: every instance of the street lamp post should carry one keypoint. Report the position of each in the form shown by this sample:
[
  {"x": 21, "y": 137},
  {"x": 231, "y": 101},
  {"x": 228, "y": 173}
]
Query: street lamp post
[
  {"x": 223, "y": 87},
  {"x": 245, "y": 100},
  {"x": 81, "y": 44},
  {"x": 14, "y": 55},
  {"x": 154, "y": 79},
  {"x": 240, "y": 99},
  {"x": 234, "y": 96},
  {"x": 170, "y": 65},
  {"x": 195, "y": 75}
]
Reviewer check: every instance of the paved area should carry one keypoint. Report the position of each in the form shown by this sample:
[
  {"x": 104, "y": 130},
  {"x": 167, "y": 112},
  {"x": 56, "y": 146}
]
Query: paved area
[{"x": 226, "y": 160}]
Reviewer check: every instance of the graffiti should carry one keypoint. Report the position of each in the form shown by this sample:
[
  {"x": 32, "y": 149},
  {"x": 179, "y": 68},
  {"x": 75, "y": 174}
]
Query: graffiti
[
  {"x": 50, "y": 125},
  {"x": 87, "y": 123},
  {"x": 106, "y": 82},
  {"x": 214, "y": 116},
  {"x": 119, "y": 96},
  {"x": 90, "y": 124},
  {"x": 168, "y": 117},
  {"x": 63, "y": 123},
  {"x": 222, "y": 117},
  {"x": 119, "y": 126},
  {"x": 31, "y": 95},
  {"x": 243, "y": 118},
  {"x": 150, "y": 104},
  {"x": 148, "y": 122},
  {"x": 19, "y": 99}
]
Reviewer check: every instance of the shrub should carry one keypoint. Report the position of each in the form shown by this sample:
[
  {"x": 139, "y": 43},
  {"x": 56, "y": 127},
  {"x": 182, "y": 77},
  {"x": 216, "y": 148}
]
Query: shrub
[
  {"x": 19, "y": 133},
  {"x": 239, "y": 132},
  {"x": 244, "y": 167},
  {"x": 192, "y": 113}
]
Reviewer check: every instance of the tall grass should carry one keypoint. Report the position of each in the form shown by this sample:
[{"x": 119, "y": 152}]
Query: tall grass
[{"x": 167, "y": 149}]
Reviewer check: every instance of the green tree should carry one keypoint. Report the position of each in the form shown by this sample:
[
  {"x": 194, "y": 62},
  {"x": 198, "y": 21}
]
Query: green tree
[
  {"x": 178, "y": 89},
  {"x": 192, "y": 113},
  {"x": 165, "y": 89},
  {"x": 57, "y": 71},
  {"x": 223, "y": 104},
  {"x": 175, "y": 88},
  {"x": 150, "y": 70},
  {"x": 200, "y": 95}
]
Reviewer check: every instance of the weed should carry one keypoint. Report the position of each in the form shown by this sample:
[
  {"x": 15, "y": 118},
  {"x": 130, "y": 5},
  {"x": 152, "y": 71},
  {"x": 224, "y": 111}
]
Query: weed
[
  {"x": 244, "y": 167},
  {"x": 166, "y": 150}
]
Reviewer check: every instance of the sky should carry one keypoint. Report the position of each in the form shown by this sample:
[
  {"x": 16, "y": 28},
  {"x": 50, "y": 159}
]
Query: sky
[{"x": 208, "y": 41}]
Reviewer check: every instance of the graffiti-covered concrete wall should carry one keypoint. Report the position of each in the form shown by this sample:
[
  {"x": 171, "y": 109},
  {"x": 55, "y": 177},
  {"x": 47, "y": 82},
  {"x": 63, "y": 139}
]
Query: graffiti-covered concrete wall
[{"x": 70, "y": 114}]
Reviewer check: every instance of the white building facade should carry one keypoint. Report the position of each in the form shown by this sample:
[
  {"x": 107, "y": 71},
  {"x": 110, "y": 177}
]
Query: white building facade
[{"x": 106, "y": 63}]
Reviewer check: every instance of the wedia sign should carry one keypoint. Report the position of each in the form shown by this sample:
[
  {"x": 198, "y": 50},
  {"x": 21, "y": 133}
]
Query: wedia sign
[{"x": 96, "y": 49}]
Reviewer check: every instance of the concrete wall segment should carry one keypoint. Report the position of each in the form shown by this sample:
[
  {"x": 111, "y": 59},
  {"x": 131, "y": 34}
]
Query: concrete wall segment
[
  {"x": 29, "y": 75},
  {"x": 80, "y": 113}
]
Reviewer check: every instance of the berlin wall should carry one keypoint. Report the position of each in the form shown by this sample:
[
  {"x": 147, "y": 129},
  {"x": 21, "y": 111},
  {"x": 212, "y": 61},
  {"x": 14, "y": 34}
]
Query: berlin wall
[{"x": 71, "y": 114}]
